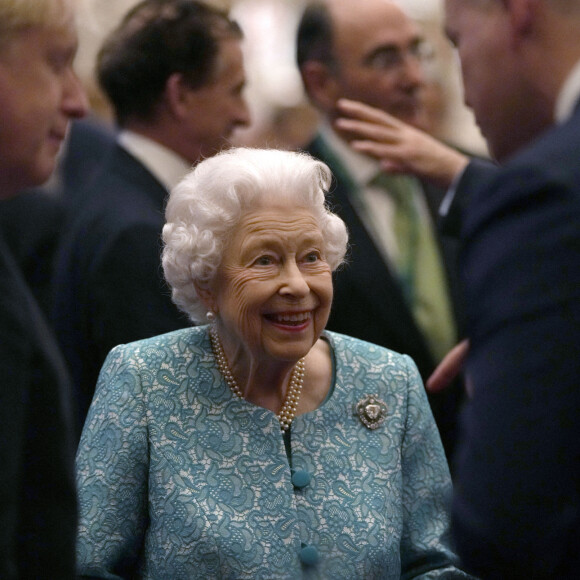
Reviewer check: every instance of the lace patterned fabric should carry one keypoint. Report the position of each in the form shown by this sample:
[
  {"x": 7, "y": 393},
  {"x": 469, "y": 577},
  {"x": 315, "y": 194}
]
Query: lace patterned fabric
[{"x": 178, "y": 479}]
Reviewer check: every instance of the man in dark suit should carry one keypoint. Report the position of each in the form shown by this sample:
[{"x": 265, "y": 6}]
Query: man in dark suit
[
  {"x": 390, "y": 293},
  {"x": 174, "y": 74},
  {"x": 39, "y": 94},
  {"x": 517, "y": 500}
]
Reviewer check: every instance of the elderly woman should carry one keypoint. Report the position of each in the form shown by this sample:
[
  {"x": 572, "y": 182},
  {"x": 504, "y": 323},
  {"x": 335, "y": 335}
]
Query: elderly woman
[{"x": 259, "y": 445}]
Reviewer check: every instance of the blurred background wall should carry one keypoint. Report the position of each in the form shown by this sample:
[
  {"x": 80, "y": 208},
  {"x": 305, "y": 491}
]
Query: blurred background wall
[{"x": 280, "y": 112}]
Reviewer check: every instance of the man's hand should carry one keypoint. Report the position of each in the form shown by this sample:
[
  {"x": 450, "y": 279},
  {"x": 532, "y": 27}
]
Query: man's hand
[
  {"x": 401, "y": 148},
  {"x": 449, "y": 368}
]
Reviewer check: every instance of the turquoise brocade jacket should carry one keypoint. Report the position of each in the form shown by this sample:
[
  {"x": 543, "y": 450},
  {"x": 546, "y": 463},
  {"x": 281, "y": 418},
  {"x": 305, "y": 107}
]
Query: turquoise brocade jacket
[{"x": 179, "y": 479}]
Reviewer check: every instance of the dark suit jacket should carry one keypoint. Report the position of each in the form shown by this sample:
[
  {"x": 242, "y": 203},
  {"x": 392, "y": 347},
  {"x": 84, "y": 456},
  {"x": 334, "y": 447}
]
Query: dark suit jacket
[
  {"x": 477, "y": 171},
  {"x": 90, "y": 142},
  {"x": 108, "y": 286},
  {"x": 517, "y": 505},
  {"x": 368, "y": 301},
  {"x": 37, "y": 491},
  {"x": 31, "y": 224}
]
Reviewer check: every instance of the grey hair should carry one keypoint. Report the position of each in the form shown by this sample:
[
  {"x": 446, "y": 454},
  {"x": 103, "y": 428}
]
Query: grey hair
[{"x": 206, "y": 206}]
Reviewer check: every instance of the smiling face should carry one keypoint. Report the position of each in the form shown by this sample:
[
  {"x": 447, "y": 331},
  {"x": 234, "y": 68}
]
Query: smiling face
[
  {"x": 273, "y": 289},
  {"x": 39, "y": 94}
]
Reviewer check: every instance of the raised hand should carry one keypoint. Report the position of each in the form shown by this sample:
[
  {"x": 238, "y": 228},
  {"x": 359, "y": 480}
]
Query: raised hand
[{"x": 401, "y": 148}]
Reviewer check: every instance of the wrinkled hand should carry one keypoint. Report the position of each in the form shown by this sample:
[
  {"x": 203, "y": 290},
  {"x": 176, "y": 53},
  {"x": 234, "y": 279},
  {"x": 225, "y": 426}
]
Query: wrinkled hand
[
  {"x": 449, "y": 368},
  {"x": 401, "y": 148}
]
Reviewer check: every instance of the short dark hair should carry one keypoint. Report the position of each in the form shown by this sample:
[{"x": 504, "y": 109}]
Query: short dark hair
[
  {"x": 156, "y": 39},
  {"x": 315, "y": 36}
]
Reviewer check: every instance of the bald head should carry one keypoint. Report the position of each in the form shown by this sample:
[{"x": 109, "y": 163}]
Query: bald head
[
  {"x": 344, "y": 10},
  {"x": 370, "y": 53}
]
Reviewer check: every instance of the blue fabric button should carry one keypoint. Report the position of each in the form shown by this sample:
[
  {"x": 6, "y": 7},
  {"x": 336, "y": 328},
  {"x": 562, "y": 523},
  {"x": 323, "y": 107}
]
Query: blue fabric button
[
  {"x": 301, "y": 478},
  {"x": 309, "y": 555}
]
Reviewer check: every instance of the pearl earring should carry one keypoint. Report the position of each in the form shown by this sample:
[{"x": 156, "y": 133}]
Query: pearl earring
[{"x": 210, "y": 315}]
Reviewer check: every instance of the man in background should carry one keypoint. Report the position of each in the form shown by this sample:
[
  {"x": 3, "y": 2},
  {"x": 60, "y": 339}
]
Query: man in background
[
  {"x": 39, "y": 95},
  {"x": 173, "y": 72},
  {"x": 399, "y": 288},
  {"x": 517, "y": 492}
]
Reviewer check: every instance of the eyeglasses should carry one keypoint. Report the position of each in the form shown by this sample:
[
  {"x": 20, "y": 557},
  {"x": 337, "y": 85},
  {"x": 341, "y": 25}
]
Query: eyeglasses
[{"x": 390, "y": 58}]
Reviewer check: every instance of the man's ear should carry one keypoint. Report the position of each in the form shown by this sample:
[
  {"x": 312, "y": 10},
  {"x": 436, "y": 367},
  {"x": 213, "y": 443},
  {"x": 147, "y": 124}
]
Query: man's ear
[
  {"x": 206, "y": 296},
  {"x": 320, "y": 84},
  {"x": 177, "y": 95}
]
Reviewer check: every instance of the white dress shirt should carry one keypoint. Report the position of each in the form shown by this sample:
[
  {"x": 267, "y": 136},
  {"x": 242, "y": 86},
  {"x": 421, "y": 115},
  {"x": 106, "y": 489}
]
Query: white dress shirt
[{"x": 168, "y": 167}]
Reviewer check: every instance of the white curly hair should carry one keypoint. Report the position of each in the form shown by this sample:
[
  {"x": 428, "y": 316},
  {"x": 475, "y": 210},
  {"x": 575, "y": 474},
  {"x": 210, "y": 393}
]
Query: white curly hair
[{"x": 206, "y": 206}]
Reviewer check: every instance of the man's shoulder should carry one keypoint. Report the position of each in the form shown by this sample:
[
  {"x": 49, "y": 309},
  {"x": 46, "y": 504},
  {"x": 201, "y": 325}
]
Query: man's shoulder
[
  {"x": 557, "y": 148},
  {"x": 124, "y": 193},
  {"x": 546, "y": 172},
  {"x": 122, "y": 179}
]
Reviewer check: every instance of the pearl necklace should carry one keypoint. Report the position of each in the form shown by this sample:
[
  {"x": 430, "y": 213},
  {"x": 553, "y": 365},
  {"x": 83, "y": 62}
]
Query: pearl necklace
[{"x": 288, "y": 410}]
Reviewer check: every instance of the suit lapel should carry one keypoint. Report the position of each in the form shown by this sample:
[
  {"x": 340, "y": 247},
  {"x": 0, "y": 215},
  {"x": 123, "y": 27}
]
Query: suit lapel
[
  {"x": 374, "y": 276},
  {"x": 134, "y": 172}
]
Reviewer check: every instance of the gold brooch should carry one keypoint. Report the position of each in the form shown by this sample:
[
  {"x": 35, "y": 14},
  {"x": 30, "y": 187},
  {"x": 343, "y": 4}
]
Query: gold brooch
[{"x": 371, "y": 411}]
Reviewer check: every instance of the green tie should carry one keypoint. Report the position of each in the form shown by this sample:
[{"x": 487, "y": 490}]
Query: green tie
[{"x": 419, "y": 265}]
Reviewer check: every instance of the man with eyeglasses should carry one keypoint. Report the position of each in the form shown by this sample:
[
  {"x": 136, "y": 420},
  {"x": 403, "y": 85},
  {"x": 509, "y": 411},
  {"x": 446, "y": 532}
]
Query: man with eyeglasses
[{"x": 399, "y": 288}]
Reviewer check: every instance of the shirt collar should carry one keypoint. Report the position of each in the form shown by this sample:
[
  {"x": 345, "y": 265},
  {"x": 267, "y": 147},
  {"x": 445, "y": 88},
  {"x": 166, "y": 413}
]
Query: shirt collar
[
  {"x": 362, "y": 169},
  {"x": 168, "y": 167},
  {"x": 569, "y": 96}
]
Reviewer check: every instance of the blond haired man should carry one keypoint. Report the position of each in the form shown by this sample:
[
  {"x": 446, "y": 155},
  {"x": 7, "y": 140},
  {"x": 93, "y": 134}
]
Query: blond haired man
[{"x": 39, "y": 94}]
